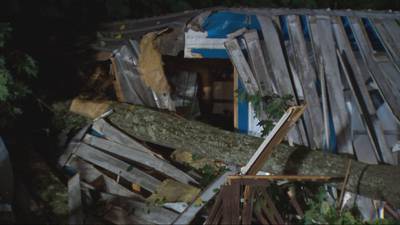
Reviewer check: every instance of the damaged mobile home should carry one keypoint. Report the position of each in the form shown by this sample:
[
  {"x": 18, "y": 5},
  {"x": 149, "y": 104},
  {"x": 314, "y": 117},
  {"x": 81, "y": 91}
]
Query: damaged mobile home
[{"x": 337, "y": 69}]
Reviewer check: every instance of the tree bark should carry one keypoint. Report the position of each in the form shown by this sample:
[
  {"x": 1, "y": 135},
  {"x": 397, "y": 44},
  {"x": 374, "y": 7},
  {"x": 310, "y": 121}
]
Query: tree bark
[{"x": 375, "y": 181}]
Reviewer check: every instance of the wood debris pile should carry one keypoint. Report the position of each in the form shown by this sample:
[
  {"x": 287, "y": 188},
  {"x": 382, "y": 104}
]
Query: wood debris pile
[{"x": 307, "y": 55}]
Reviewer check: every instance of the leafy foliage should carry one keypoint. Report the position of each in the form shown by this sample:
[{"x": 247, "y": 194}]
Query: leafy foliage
[
  {"x": 16, "y": 70},
  {"x": 322, "y": 212},
  {"x": 269, "y": 108}
]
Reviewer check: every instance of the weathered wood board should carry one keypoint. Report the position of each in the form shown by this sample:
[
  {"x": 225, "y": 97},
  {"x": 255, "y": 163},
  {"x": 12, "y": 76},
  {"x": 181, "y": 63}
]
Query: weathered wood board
[
  {"x": 280, "y": 71},
  {"x": 324, "y": 48},
  {"x": 277, "y": 134},
  {"x": 387, "y": 38},
  {"x": 113, "y": 134},
  {"x": 361, "y": 107},
  {"x": 75, "y": 200},
  {"x": 90, "y": 174},
  {"x": 385, "y": 75},
  {"x": 382, "y": 70},
  {"x": 257, "y": 63},
  {"x": 139, "y": 157},
  {"x": 117, "y": 167},
  {"x": 239, "y": 61},
  {"x": 308, "y": 78}
]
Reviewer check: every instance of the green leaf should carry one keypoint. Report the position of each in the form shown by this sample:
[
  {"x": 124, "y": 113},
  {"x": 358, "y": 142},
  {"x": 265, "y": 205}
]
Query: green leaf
[
  {"x": 27, "y": 65},
  {"x": 5, "y": 33},
  {"x": 4, "y": 82}
]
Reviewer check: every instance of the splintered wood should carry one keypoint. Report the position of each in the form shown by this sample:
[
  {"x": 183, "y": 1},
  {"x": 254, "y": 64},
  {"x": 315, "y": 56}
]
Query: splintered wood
[
  {"x": 110, "y": 162},
  {"x": 275, "y": 137}
]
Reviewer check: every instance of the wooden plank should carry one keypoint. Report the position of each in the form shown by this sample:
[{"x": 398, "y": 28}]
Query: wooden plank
[
  {"x": 140, "y": 157},
  {"x": 115, "y": 135},
  {"x": 227, "y": 205},
  {"x": 235, "y": 99},
  {"x": 75, "y": 200},
  {"x": 273, "y": 139},
  {"x": 269, "y": 215},
  {"x": 325, "y": 106},
  {"x": 117, "y": 166},
  {"x": 342, "y": 190},
  {"x": 324, "y": 47},
  {"x": 383, "y": 72},
  {"x": 394, "y": 29},
  {"x": 387, "y": 37},
  {"x": 344, "y": 46},
  {"x": 385, "y": 75},
  {"x": 257, "y": 63},
  {"x": 293, "y": 201},
  {"x": 271, "y": 205},
  {"x": 247, "y": 212},
  {"x": 280, "y": 71},
  {"x": 235, "y": 206},
  {"x": 261, "y": 218},
  {"x": 362, "y": 107},
  {"x": 275, "y": 55},
  {"x": 239, "y": 61},
  {"x": 364, "y": 151},
  {"x": 72, "y": 145},
  {"x": 188, "y": 215},
  {"x": 89, "y": 174},
  {"x": 308, "y": 77},
  {"x": 217, "y": 207}
]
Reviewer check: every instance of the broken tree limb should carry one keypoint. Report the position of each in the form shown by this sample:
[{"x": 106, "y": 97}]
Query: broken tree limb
[{"x": 375, "y": 181}]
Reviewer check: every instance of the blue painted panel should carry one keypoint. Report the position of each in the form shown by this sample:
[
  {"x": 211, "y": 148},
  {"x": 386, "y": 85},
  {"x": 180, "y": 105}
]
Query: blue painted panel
[
  {"x": 212, "y": 53},
  {"x": 243, "y": 111},
  {"x": 284, "y": 28},
  {"x": 220, "y": 24}
]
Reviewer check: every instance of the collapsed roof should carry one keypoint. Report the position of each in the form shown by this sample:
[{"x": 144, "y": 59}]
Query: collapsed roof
[{"x": 342, "y": 63}]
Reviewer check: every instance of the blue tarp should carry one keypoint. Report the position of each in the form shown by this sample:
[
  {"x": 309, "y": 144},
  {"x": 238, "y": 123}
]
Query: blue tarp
[{"x": 220, "y": 24}]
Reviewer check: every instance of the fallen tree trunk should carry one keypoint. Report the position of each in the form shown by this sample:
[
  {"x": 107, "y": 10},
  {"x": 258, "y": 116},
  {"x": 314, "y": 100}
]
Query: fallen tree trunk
[{"x": 375, "y": 181}]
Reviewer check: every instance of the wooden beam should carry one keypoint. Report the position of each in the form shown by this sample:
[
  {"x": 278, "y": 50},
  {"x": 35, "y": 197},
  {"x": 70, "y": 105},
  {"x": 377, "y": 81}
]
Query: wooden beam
[
  {"x": 117, "y": 167},
  {"x": 140, "y": 157},
  {"x": 324, "y": 47},
  {"x": 362, "y": 107},
  {"x": 308, "y": 77},
  {"x": 342, "y": 191},
  {"x": 382, "y": 70},
  {"x": 72, "y": 146},
  {"x": 239, "y": 61},
  {"x": 280, "y": 72},
  {"x": 257, "y": 63},
  {"x": 115, "y": 135},
  {"x": 275, "y": 137},
  {"x": 89, "y": 174},
  {"x": 75, "y": 200}
]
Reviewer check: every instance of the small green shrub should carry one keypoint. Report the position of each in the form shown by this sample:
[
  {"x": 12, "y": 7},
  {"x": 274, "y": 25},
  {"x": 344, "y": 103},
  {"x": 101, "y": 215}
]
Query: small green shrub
[
  {"x": 17, "y": 69},
  {"x": 269, "y": 109}
]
